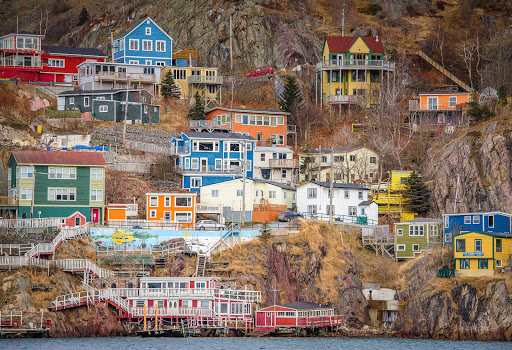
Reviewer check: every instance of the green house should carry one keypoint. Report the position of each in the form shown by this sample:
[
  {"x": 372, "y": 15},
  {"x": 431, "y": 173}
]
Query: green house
[
  {"x": 415, "y": 236},
  {"x": 57, "y": 184}
]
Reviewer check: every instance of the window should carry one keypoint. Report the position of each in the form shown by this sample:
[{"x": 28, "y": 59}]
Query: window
[
  {"x": 26, "y": 194},
  {"x": 239, "y": 193},
  {"x": 183, "y": 201},
  {"x": 452, "y": 101},
  {"x": 483, "y": 264},
  {"x": 140, "y": 303},
  {"x": 56, "y": 63},
  {"x": 416, "y": 230},
  {"x": 86, "y": 101},
  {"x": 277, "y": 139},
  {"x": 237, "y": 308},
  {"x": 352, "y": 211},
  {"x": 347, "y": 195},
  {"x": 103, "y": 108},
  {"x": 195, "y": 182},
  {"x": 134, "y": 45},
  {"x": 498, "y": 245},
  {"x": 183, "y": 217},
  {"x": 71, "y": 100},
  {"x": 353, "y": 158},
  {"x": 283, "y": 173},
  {"x": 312, "y": 209},
  {"x": 271, "y": 194},
  {"x": 148, "y": 62},
  {"x": 432, "y": 103},
  {"x": 461, "y": 245},
  {"x": 160, "y": 46},
  {"x": 324, "y": 159},
  {"x": 96, "y": 174},
  {"x": 62, "y": 194},
  {"x": 195, "y": 163},
  {"x": 464, "y": 264},
  {"x": 491, "y": 220},
  {"x": 445, "y": 221},
  {"x": 448, "y": 237},
  {"x": 133, "y": 62},
  {"x": 328, "y": 208},
  {"x": 415, "y": 247},
  {"x": 215, "y": 193},
  {"x": 121, "y": 45},
  {"x": 186, "y": 163},
  {"x": 433, "y": 230},
  {"x": 161, "y": 64},
  {"x": 499, "y": 263},
  {"x": 205, "y": 304},
  {"x": 205, "y": 146},
  {"x": 399, "y": 232},
  {"x": 467, "y": 219},
  {"x": 148, "y": 30},
  {"x": 373, "y": 160},
  {"x": 400, "y": 247},
  {"x": 262, "y": 157},
  {"x": 62, "y": 173},
  {"x": 153, "y": 201},
  {"x": 360, "y": 195},
  {"x": 218, "y": 164},
  {"x": 152, "y": 214},
  {"x": 311, "y": 192},
  {"x": 478, "y": 245},
  {"x": 27, "y": 172},
  {"x": 96, "y": 195}
]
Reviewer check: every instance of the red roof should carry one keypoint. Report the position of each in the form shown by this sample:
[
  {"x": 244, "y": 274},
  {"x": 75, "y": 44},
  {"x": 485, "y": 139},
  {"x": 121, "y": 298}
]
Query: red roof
[
  {"x": 59, "y": 158},
  {"x": 343, "y": 43}
]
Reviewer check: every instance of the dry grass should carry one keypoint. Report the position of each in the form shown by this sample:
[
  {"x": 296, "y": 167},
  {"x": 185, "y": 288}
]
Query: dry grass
[{"x": 14, "y": 106}]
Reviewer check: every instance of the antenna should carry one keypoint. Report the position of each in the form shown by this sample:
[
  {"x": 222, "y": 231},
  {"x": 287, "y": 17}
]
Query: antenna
[
  {"x": 274, "y": 291},
  {"x": 456, "y": 194},
  {"x": 343, "y": 20}
]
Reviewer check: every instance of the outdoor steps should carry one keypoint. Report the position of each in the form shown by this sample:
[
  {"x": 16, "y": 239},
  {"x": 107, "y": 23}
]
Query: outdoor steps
[
  {"x": 200, "y": 265},
  {"x": 443, "y": 70}
]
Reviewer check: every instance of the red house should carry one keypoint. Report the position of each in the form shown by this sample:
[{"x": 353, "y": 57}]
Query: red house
[
  {"x": 297, "y": 315},
  {"x": 24, "y": 59}
]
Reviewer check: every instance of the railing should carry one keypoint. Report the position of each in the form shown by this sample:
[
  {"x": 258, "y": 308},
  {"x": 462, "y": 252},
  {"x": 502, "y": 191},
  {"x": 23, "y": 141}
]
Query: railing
[
  {"x": 359, "y": 220},
  {"x": 163, "y": 250},
  {"x": 213, "y": 169},
  {"x": 283, "y": 163},
  {"x": 143, "y": 224},
  {"x": 131, "y": 167},
  {"x": 139, "y": 77},
  {"x": 201, "y": 79},
  {"x": 31, "y": 223},
  {"x": 148, "y": 147},
  {"x": 83, "y": 265},
  {"x": 177, "y": 150},
  {"x": 245, "y": 295},
  {"x": 19, "y": 249},
  {"x": 416, "y": 106},
  {"x": 356, "y": 63},
  {"x": 377, "y": 234},
  {"x": 208, "y": 208},
  {"x": 344, "y": 99},
  {"x": 8, "y": 201},
  {"x": 209, "y": 124}
]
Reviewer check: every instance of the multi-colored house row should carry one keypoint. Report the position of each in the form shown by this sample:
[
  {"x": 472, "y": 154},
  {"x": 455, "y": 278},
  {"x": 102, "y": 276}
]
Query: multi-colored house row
[
  {"x": 57, "y": 184},
  {"x": 206, "y": 158},
  {"x": 439, "y": 108},
  {"x": 351, "y": 71},
  {"x": 110, "y": 105},
  {"x": 23, "y": 58},
  {"x": 143, "y": 42},
  {"x": 202, "y": 80},
  {"x": 178, "y": 208},
  {"x": 390, "y": 197},
  {"x": 415, "y": 236},
  {"x": 269, "y": 128},
  {"x": 478, "y": 254},
  {"x": 495, "y": 221}
]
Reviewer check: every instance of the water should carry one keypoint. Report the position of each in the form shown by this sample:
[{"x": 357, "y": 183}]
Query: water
[{"x": 128, "y": 343}]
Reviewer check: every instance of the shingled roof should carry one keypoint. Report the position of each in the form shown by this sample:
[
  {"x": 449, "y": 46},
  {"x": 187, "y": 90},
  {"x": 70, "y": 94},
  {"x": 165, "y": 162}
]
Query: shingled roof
[
  {"x": 343, "y": 43},
  {"x": 73, "y": 51},
  {"x": 59, "y": 158}
]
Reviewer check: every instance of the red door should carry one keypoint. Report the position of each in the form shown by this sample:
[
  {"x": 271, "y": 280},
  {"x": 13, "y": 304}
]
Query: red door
[
  {"x": 95, "y": 215},
  {"x": 270, "y": 319}
]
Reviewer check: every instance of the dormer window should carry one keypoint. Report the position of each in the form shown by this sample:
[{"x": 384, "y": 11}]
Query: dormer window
[{"x": 148, "y": 31}]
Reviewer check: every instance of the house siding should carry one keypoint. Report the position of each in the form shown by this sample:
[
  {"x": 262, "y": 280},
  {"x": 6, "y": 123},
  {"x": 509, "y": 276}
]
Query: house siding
[
  {"x": 424, "y": 242},
  {"x": 455, "y": 223}
]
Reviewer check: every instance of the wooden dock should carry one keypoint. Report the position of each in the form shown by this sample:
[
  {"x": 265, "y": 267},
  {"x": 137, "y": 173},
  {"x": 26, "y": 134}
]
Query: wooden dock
[{"x": 6, "y": 333}]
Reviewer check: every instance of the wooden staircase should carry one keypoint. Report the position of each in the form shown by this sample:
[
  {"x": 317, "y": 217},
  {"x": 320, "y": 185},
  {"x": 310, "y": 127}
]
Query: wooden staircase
[
  {"x": 440, "y": 68},
  {"x": 200, "y": 265}
]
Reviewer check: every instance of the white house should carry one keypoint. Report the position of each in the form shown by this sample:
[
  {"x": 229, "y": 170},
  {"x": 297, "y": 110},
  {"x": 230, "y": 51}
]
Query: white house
[
  {"x": 275, "y": 164},
  {"x": 226, "y": 197},
  {"x": 350, "y": 202}
]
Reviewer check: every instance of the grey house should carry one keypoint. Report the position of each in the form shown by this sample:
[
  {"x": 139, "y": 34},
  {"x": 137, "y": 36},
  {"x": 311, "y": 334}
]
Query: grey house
[{"x": 110, "y": 105}]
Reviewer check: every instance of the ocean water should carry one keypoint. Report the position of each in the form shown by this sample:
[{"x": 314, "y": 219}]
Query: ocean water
[{"x": 129, "y": 343}]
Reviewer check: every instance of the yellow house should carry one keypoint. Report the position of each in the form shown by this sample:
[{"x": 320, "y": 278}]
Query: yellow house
[
  {"x": 389, "y": 195},
  {"x": 477, "y": 254},
  {"x": 204, "y": 80},
  {"x": 352, "y": 71}
]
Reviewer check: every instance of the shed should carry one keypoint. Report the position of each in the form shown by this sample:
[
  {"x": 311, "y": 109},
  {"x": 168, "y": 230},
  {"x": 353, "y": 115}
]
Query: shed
[
  {"x": 115, "y": 212},
  {"x": 297, "y": 314}
]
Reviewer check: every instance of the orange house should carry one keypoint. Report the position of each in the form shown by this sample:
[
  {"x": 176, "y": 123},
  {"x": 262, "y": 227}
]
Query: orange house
[
  {"x": 443, "y": 101},
  {"x": 115, "y": 212},
  {"x": 446, "y": 109},
  {"x": 268, "y": 127},
  {"x": 177, "y": 208}
]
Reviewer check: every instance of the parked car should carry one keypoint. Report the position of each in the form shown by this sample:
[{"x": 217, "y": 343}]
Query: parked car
[
  {"x": 210, "y": 225},
  {"x": 288, "y": 216},
  {"x": 261, "y": 72}
]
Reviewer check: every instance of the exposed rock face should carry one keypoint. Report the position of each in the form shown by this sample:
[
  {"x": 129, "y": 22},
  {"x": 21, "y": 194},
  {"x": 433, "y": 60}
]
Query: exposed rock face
[{"x": 483, "y": 161}]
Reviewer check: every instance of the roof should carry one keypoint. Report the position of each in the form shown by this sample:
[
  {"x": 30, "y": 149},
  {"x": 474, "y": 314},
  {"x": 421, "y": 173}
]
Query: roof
[
  {"x": 335, "y": 149},
  {"x": 134, "y": 26},
  {"x": 365, "y": 203},
  {"x": 172, "y": 194},
  {"x": 444, "y": 93},
  {"x": 73, "y": 51},
  {"x": 339, "y": 185},
  {"x": 274, "y": 183},
  {"x": 480, "y": 213},
  {"x": 494, "y": 234},
  {"x": 343, "y": 43},
  {"x": 273, "y": 149},
  {"x": 59, "y": 158},
  {"x": 301, "y": 305},
  {"x": 245, "y": 110},
  {"x": 421, "y": 220},
  {"x": 95, "y": 92},
  {"x": 217, "y": 135},
  {"x": 165, "y": 279}
]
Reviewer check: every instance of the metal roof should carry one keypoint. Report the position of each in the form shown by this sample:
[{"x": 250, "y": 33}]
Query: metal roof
[
  {"x": 302, "y": 305},
  {"x": 273, "y": 149},
  {"x": 217, "y": 135},
  {"x": 245, "y": 110},
  {"x": 338, "y": 185},
  {"x": 365, "y": 203},
  {"x": 274, "y": 183},
  {"x": 73, "y": 51},
  {"x": 344, "y": 43},
  {"x": 495, "y": 234},
  {"x": 335, "y": 149},
  {"x": 59, "y": 158},
  {"x": 96, "y": 92},
  {"x": 420, "y": 220}
]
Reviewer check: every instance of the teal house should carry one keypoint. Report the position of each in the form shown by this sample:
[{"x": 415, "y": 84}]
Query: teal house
[{"x": 57, "y": 184}]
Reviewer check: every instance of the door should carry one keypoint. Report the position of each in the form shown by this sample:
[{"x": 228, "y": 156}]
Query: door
[
  {"x": 77, "y": 220},
  {"x": 270, "y": 319},
  {"x": 204, "y": 165},
  {"x": 339, "y": 59},
  {"x": 68, "y": 78},
  {"x": 95, "y": 215},
  {"x": 432, "y": 103}
]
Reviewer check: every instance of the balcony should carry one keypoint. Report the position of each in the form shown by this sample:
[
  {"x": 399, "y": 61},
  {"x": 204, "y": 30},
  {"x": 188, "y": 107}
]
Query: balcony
[
  {"x": 201, "y": 79},
  {"x": 208, "y": 208},
  {"x": 123, "y": 76},
  {"x": 211, "y": 169},
  {"x": 283, "y": 163},
  {"x": 8, "y": 201},
  {"x": 180, "y": 150},
  {"x": 208, "y": 125},
  {"x": 345, "y": 99},
  {"x": 356, "y": 64},
  {"x": 415, "y": 106}
]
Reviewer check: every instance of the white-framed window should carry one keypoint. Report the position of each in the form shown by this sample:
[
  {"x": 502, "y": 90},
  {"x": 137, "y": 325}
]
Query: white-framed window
[
  {"x": 152, "y": 214},
  {"x": 311, "y": 193},
  {"x": 399, "y": 232},
  {"x": 9, "y": 174},
  {"x": 167, "y": 201},
  {"x": 278, "y": 139},
  {"x": 75, "y": 77},
  {"x": 26, "y": 194},
  {"x": 476, "y": 219},
  {"x": 328, "y": 209},
  {"x": 195, "y": 182},
  {"x": 239, "y": 193},
  {"x": 183, "y": 217},
  {"x": 96, "y": 195},
  {"x": 61, "y": 194},
  {"x": 121, "y": 45},
  {"x": 448, "y": 237},
  {"x": 103, "y": 108},
  {"x": 27, "y": 172},
  {"x": 52, "y": 62},
  {"x": 147, "y": 45},
  {"x": 262, "y": 157},
  {"x": 183, "y": 201},
  {"x": 467, "y": 219},
  {"x": 446, "y": 221},
  {"x": 96, "y": 174},
  {"x": 186, "y": 163},
  {"x": 215, "y": 193},
  {"x": 195, "y": 163},
  {"x": 218, "y": 164},
  {"x": 415, "y": 247},
  {"x": 148, "y": 62},
  {"x": 271, "y": 194},
  {"x": 205, "y": 304},
  {"x": 134, "y": 46},
  {"x": 352, "y": 211},
  {"x": 312, "y": 209},
  {"x": 416, "y": 230},
  {"x": 360, "y": 195},
  {"x": 431, "y": 103},
  {"x": 452, "y": 101},
  {"x": 347, "y": 195},
  {"x": 400, "y": 247},
  {"x": 153, "y": 201},
  {"x": 71, "y": 100},
  {"x": 133, "y": 62},
  {"x": 86, "y": 101},
  {"x": 160, "y": 63},
  {"x": 433, "y": 230},
  {"x": 160, "y": 46},
  {"x": 490, "y": 220},
  {"x": 148, "y": 30},
  {"x": 499, "y": 263}
]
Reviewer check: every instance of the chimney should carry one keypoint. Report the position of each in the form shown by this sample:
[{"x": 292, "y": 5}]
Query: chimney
[
  {"x": 377, "y": 38},
  {"x": 128, "y": 23}
]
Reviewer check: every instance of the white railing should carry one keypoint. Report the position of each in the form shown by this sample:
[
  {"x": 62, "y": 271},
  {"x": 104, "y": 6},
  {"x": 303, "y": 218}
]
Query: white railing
[
  {"x": 130, "y": 167},
  {"x": 31, "y": 223},
  {"x": 64, "y": 234},
  {"x": 344, "y": 99},
  {"x": 283, "y": 163},
  {"x": 201, "y": 79},
  {"x": 148, "y": 147},
  {"x": 15, "y": 249},
  {"x": 209, "y": 124},
  {"x": 83, "y": 265},
  {"x": 208, "y": 208},
  {"x": 414, "y": 105},
  {"x": 356, "y": 63},
  {"x": 147, "y": 78}
]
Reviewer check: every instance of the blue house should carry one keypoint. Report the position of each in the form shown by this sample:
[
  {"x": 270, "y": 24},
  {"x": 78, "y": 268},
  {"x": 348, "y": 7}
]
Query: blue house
[
  {"x": 495, "y": 221},
  {"x": 143, "y": 43},
  {"x": 207, "y": 158}
]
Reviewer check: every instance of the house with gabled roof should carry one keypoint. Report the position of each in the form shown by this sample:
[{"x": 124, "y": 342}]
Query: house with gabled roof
[
  {"x": 351, "y": 71},
  {"x": 143, "y": 42}
]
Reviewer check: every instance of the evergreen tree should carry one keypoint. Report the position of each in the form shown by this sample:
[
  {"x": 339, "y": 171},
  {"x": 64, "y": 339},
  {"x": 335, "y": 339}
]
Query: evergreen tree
[
  {"x": 291, "y": 99},
  {"x": 306, "y": 159},
  {"x": 169, "y": 87},
  {"x": 84, "y": 16},
  {"x": 502, "y": 95},
  {"x": 265, "y": 231},
  {"x": 417, "y": 195},
  {"x": 197, "y": 112},
  {"x": 480, "y": 112}
]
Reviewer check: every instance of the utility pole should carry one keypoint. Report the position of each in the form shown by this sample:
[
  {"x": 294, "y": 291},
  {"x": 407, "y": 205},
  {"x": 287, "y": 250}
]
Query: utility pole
[
  {"x": 320, "y": 163},
  {"x": 126, "y": 109},
  {"x": 456, "y": 195},
  {"x": 244, "y": 169},
  {"x": 331, "y": 187},
  {"x": 343, "y": 20},
  {"x": 231, "y": 58}
]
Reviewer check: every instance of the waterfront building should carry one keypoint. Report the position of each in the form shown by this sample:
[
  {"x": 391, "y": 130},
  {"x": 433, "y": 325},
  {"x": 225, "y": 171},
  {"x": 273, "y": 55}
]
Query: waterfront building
[{"x": 297, "y": 315}]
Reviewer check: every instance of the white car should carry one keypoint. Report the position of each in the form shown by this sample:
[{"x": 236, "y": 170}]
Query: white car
[{"x": 210, "y": 225}]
